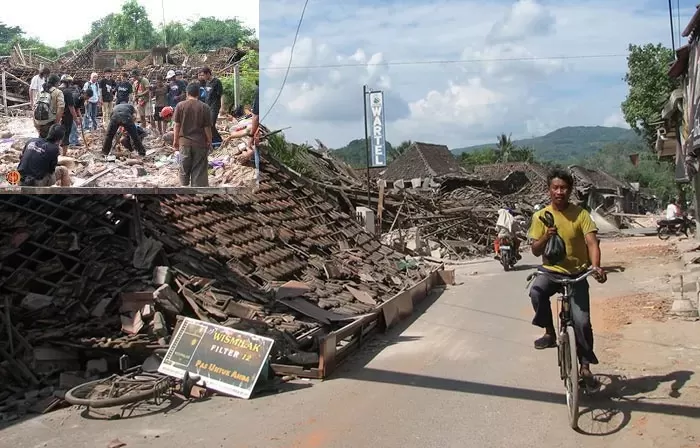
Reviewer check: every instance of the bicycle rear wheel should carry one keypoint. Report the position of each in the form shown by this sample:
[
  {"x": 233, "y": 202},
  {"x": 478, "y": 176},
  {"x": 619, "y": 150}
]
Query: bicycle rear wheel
[
  {"x": 571, "y": 377},
  {"x": 118, "y": 390}
]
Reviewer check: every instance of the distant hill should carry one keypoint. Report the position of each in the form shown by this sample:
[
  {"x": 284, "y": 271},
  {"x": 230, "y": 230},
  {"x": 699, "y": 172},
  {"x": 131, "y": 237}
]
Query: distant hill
[
  {"x": 355, "y": 153},
  {"x": 563, "y": 145},
  {"x": 569, "y": 143}
]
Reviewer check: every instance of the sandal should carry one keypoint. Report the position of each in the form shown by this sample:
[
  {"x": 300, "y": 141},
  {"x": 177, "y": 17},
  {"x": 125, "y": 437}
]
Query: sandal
[{"x": 546, "y": 341}]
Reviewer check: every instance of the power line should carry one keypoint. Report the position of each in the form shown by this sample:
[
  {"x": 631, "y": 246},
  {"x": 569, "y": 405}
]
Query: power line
[
  {"x": 447, "y": 61},
  {"x": 291, "y": 56}
]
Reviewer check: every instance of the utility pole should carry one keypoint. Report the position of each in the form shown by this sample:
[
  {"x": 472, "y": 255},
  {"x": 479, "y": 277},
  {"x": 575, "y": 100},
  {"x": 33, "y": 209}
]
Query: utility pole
[{"x": 365, "y": 92}]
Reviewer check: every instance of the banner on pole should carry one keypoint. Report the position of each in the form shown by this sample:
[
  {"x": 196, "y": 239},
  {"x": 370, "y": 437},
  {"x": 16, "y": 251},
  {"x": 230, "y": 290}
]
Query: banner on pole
[{"x": 377, "y": 136}]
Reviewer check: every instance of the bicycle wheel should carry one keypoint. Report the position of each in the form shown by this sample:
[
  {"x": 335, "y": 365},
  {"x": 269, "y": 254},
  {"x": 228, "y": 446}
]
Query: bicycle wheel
[
  {"x": 571, "y": 379},
  {"x": 118, "y": 390}
]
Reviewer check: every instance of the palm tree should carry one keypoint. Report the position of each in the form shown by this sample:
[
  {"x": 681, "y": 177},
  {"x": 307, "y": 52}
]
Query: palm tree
[{"x": 504, "y": 147}]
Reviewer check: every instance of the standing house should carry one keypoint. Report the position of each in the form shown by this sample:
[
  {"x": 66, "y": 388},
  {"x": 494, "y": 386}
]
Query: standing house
[
  {"x": 423, "y": 164},
  {"x": 679, "y": 134}
]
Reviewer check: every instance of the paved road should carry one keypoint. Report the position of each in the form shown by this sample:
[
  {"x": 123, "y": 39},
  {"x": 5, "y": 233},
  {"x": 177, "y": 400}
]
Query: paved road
[{"x": 463, "y": 374}]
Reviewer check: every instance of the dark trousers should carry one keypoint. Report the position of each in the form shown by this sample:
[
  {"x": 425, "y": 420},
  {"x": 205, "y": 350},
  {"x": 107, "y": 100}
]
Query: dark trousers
[
  {"x": 215, "y": 136},
  {"x": 540, "y": 293},
  {"x": 130, "y": 128}
]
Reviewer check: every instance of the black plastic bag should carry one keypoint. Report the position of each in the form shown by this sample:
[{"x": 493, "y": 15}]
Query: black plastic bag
[{"x": 555, "y": 250}]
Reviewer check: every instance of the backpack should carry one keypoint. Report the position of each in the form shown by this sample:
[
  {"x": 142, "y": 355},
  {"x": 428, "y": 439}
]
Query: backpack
[
  {"x": 42, "y": 110},
  {"x": 77, "y": 100}
]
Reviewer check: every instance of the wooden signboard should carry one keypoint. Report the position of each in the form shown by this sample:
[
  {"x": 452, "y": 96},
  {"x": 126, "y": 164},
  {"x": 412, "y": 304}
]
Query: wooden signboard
[{"x": 228, "y": 360}]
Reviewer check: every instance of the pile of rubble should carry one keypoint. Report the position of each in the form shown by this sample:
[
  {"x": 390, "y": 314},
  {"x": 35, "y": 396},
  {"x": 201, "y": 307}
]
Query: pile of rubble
[
  {"x": 159, "y": 168},
  {"x": 87, "y": 278}
]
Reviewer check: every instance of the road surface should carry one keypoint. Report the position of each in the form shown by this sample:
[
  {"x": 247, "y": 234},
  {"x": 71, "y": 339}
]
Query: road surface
[{"x": 464, "y": 374}]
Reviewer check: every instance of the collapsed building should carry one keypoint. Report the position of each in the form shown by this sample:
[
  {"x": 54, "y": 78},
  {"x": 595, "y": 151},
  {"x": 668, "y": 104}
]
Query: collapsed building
[
  {"x": 86, "y": 165},
  {"x": 85, "y": 278}
]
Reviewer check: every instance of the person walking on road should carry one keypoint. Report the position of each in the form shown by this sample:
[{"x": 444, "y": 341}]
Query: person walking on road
[
  {"x": 192, "y": 137},
  {"x": 579, "y": 233},
  {"x": 123, "y": 115}
]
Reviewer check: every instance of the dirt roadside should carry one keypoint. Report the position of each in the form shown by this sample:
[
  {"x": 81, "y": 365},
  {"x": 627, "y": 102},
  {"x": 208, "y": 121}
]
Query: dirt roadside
[{"x": 650, "y": 361}]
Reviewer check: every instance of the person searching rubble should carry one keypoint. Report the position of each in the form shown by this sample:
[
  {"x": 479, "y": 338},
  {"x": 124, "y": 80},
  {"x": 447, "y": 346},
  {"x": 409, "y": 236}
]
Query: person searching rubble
[
  {"x": 214, "y": 90},
  {"x": 254, "y": 142},
  {"x": 124, "y": 89},
  {"x": 193, "y": 138},
  {"x": 142, "y": 95},
  {"x": 125, "y": 139},
  {"x": 38, "y": 163},
  {"x": 123, "y": 115},
  {"x": 49, "y": 106},
  {"x": 70, "y": 116},
  {"x": 37, "y": 84},
  {"x": 107, "y": 88},
  {"x": 160, "y": 92}
]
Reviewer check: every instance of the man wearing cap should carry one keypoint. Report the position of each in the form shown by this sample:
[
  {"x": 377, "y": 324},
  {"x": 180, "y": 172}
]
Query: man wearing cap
[{"x": 177, "y": 86}]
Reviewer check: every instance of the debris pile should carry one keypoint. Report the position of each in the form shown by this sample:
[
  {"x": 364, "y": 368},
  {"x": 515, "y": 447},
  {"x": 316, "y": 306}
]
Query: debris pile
[
  {"x": 159, "y": 168},
  {"x": 86, "y": 278}
]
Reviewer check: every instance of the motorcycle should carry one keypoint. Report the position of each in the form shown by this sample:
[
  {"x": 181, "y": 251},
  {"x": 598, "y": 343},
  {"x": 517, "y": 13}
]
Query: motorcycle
[
  {"x": 505, "y": 250},
  {"x": 665, "y": 228}
]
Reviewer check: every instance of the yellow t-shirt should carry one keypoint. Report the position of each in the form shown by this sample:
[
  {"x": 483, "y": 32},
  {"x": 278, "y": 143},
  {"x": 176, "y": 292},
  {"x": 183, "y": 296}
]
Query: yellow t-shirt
[{"x": 572, "y": 225}]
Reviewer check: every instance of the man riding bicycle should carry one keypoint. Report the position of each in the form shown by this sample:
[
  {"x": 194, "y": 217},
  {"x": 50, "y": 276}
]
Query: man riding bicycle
[{"x": 579, "y": 233}]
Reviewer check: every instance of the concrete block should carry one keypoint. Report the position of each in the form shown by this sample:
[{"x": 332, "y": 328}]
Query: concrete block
[{"x": 684, "y": 308}]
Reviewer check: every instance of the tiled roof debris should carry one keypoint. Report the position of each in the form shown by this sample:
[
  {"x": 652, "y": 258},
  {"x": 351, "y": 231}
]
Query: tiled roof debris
[
  {"x": 600, "y": 179},
  {"x": 423, "y": 160},
  {"x": 66, "y": 261}
]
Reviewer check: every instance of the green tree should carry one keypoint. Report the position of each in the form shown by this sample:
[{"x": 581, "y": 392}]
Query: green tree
[
  {"x": 132, "y": 29},
  {"x": 174, "y": 33},
  {"x": 504, "y": 147},
  {"x": 8, "y": 34},
  {"x": 649, "y": 87},
  {"x": 210, "y": 33},
  {"x": 248, "y": 74},
  {"x": 480, "y": 157}
]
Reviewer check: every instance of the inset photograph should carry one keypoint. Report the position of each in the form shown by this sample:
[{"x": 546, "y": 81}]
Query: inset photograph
[{"x": 98, "y": 106}]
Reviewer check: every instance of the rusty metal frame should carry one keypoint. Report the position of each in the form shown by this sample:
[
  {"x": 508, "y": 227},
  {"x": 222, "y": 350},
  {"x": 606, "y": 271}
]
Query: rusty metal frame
[{"x": 338, "y": 345}]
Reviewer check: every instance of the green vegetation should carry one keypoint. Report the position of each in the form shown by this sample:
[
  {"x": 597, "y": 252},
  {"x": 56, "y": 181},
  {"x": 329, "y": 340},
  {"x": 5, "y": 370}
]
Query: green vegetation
[
  {"x": 249, "y": 74},
  {"x": 290, "y": 154},
  {"x": 355, "y": 153},
  {"x": 131, "y": 29},
  {"x": 649, "y": 88},
  {"x": 567, "y": 144}
]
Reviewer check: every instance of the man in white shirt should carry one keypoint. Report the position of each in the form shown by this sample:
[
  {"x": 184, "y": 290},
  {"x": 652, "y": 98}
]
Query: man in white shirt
[
  {"x": 37, "y": 84},
  {"x": 673, "y": 211}
]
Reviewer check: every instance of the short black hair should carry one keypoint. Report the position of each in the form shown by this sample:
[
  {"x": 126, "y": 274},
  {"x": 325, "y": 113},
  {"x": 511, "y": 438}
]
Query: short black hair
[
  {"x": 88, "y": 92},
  {"x": 56, "y": 133},
  {"x": 53, "y": 80},
  {"x": 558, "y": 173},
  {"x": 205, "y": 70},
  {"x": 45, "y": 71},
  {"x": 108, "y": 70},
  {"x": 193, "y": 89}
]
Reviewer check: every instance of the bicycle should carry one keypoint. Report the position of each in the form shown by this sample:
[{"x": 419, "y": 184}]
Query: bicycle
[
  {"x": 134, "y": 385},
  {"x": 567, "y": 356}
]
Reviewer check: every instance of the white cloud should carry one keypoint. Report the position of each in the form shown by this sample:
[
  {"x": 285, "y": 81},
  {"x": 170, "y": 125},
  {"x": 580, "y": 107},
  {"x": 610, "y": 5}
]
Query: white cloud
[
  {"x": 616, "y": 119},
  {"x": 80, "y": 18},
  {"x": 504, "y": 84}
]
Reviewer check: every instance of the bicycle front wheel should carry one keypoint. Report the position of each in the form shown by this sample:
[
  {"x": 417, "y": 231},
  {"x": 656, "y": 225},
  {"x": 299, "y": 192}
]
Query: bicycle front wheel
[
  {"x": 571, "y": 377},
  {"x": 118, "y": 390}
]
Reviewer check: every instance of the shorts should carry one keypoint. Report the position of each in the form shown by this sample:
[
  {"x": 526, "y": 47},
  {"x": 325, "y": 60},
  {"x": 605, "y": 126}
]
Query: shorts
[
  {"x": 141, "y": 111},
  {"x": 156, "y": 113}
]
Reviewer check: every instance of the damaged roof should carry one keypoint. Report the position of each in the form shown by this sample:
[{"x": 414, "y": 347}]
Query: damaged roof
[
  {"x": 231, "y": 256},
  {"x": 423, "y": 160},
  {"x": 499, "y": 171},
  {"x": 597, "y": 178}
]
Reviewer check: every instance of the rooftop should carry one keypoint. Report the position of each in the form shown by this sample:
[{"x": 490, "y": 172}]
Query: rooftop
[{"x": 424, "y": 160}]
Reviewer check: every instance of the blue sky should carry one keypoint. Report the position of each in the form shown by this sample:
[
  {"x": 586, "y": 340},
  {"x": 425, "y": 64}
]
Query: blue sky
[{"x": 456, "y": 104}]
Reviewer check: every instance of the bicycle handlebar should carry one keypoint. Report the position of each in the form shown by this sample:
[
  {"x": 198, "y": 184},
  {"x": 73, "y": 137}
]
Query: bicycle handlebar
[{"x": 562, "y": 281}]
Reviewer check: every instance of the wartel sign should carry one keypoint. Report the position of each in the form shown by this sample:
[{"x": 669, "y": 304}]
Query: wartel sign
[{"x": 378, "y": 138}]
